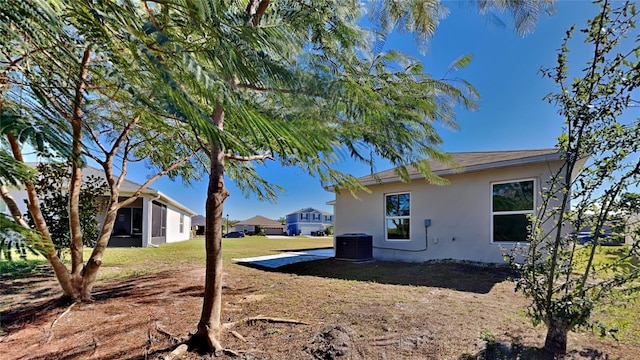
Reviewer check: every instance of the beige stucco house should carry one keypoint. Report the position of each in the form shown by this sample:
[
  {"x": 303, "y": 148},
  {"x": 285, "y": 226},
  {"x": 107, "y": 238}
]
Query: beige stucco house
[{"x": 483, "y": 208}]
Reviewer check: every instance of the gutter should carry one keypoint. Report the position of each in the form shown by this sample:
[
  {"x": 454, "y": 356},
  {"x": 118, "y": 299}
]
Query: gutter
[{"x": 462, "y": 170}]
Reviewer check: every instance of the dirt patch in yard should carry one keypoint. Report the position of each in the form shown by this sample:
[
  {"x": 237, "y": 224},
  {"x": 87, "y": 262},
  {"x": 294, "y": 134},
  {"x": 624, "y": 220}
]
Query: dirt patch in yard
[{"x": 377, "y": 310}]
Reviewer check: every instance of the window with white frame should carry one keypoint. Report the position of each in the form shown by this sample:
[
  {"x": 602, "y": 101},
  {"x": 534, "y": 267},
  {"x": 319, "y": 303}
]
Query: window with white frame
[
  {"x": 398, "y": 216},
  {"x": 512, "y": 203},
  {"x": 304, "y": 216},
  {"x": 181, "y": 223},
  {"x": 316, "y": 217}
]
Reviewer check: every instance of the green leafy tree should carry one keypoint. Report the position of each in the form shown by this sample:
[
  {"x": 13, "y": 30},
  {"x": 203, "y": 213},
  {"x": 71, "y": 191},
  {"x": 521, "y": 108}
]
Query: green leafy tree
[
  {"x": 328, "y": 230},
  {"x": 287, "y": 81},
  {"x": 563, "y": 279},
  {"x": 68, "y": 88},
  {"x": 52, "y": 183},
  {"x": 289, "y": 85},
  {"x": 15, "y": 238}
]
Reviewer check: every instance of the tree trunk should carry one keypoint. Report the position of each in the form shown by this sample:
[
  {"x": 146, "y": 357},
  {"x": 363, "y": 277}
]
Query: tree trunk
[
  {"x": 90, "y": 272},
  {"x": 61, "y": 271},
  {"x": 556, "y": 340},
  {"x": 13, "y": 207},
  {"x": 76, "y": 245},
  {"x": 208, "y": 331}
]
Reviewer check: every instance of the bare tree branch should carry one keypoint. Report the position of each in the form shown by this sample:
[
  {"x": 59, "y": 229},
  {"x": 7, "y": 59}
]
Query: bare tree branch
[
  {"x": 265, "y": 156},
  {"x": 144, "y": 186}
]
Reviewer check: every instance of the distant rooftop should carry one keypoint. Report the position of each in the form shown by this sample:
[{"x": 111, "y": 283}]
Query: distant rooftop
[
  {"x": 128, "y": 187},
  {"x": 310, "y": 210},
  {"x": 260, "y": 221}
]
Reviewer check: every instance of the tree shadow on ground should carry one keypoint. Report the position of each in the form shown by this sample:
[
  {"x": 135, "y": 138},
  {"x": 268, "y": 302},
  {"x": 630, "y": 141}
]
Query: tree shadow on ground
[
  {"x": 141, "y": 289},
  {"x": 450, "y": 275},
  {"x": 21, "y": 279},
  {"x": 77, "y": 352},
  {"x": 495, "y": 350}
]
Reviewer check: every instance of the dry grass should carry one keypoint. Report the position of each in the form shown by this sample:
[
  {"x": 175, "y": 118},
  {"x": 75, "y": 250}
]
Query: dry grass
[{"x": 384, "y": 310}]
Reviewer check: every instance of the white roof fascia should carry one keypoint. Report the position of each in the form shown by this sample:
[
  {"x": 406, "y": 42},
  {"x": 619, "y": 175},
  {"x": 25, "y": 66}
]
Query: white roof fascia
[
  {"x": 176, "y": 204},
  {"x": 164, "y": 198},
  {"x": 479, "y": 167}
]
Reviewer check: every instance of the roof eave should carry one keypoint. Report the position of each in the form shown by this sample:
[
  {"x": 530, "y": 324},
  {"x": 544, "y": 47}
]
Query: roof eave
[
  {"x": 467, "y": 169},
  {"x": 158, "y": 195}
]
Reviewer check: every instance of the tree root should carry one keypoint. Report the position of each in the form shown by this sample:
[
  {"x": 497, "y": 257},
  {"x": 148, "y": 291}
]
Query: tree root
[
  {"x": 215, "y": 344},
  {"x": 230, "y": 352},
  {"x": 384, "y": 340},
  {"x": 177, "y": 352},
  {"x": 211, "y": 342},
  {"x": 172, "y": 338},
  {"x": 50, "y": 336},
  {"x": 238, "y": 336},
  {"x": 255, "y": 319}
]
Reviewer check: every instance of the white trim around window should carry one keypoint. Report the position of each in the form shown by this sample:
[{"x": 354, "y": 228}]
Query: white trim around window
[
  {"x": 397, "y": 213},
  {"x": 511, "y": 201}
]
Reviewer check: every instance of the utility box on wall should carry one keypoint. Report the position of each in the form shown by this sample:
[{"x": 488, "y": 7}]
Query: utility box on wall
[{"x": 354, "y": 246}]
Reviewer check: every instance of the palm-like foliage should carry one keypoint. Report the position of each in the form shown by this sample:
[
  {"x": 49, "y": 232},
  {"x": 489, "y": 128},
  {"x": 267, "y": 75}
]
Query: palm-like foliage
[
  {"x": 16, "y": 239},
  {"x": 422, "y": 17},
  {"x": 277, "y": 80},
  {"x": 67, "y": 89},
  {"x": 292, "y": 81}
]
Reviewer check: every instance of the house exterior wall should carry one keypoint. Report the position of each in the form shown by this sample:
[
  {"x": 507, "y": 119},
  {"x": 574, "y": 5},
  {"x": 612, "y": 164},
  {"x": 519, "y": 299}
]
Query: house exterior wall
[
  {"x": 245, "y": 228},
  {"x": 631, "y": 229},
  {"x": 460, "y": 215},
  {"x": 174, "y": 231},
  {"x": 3, "y": 207},
  {"x": 19, "y": 196}
]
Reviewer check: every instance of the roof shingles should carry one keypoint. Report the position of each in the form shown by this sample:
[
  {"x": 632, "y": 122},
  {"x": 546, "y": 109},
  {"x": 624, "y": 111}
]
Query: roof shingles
[{"x": 470, "y": 161}]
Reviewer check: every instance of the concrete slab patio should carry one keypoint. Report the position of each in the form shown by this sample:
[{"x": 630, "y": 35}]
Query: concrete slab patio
[{"x": 286, "y": 258}]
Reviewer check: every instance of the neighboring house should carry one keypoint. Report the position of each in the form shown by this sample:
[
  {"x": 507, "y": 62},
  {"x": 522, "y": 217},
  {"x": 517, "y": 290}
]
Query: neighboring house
[
  {"x": 632, "y": 229},
  {"x": 197, "y": 224},
  {"x": 270, "y": 227},
  {"x": 483, "y": 208},
  {"x": 153, "y": 219},
  {"x": 305, "y": 221}
]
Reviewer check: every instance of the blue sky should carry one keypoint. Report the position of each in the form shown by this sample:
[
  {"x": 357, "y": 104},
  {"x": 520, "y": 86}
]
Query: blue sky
[{"x": 505, "y": 70}]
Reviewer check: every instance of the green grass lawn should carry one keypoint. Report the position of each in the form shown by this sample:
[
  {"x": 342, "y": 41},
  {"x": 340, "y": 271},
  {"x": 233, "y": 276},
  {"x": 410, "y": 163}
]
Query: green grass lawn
[
  {"x": 122, "y": 262},
  {"x": 193, "y": 251},
  {"x": 22, "y": 268}
]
